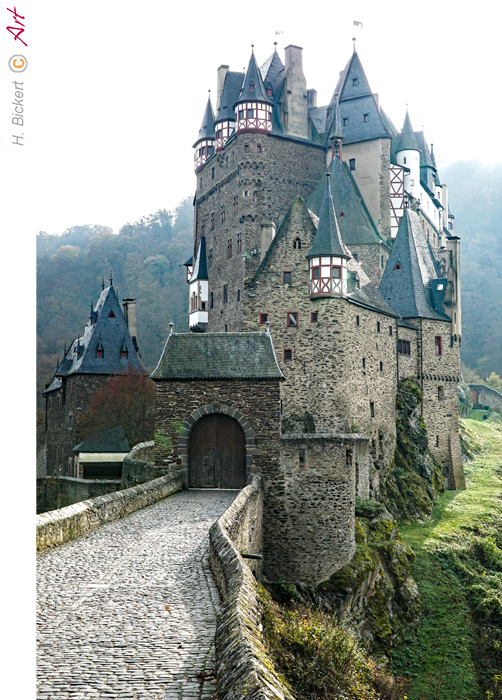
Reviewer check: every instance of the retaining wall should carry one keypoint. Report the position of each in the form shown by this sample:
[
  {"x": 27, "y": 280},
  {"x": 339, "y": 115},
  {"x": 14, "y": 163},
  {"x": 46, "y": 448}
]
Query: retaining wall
[
  {"x": 59, "y": 526},
  {"x": 243, "y": 668}
]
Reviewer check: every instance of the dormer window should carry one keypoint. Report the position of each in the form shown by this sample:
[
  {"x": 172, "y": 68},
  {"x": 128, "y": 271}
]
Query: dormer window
[
  {"x": 251, "y": 86},
  {"x": 123, "y": 353},
  {"x": 345, "y": 121},
  {"x": 99, "y": 353},
  {"x": 270, "y": 92},
  {"x": 111, "y": 315},
  {"x": 366, "y": 117},
  {"x": 355, "y": 82}
]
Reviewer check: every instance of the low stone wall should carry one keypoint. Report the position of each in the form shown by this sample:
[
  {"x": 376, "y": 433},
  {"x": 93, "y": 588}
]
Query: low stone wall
[
  {"x": 139, "y": 465},
  {"x": 243, "y": 668},
  {"x": 59, "y": 526},
  {"x": 58, "y": 492}
]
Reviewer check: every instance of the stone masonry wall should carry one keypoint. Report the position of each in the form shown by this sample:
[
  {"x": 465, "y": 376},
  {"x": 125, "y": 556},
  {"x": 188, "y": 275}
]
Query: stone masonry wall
[
  {"x": 440, "y": 375},
  {"x": 57, "y": 492},
  {"x": 308, "y": 523},
  {"x": 335, "y": 374},
  {"x": 243, "y": 667},
  {"x": 409, "y": 365},
  {"x": 257, "y": 401},
  {"x": 373, "y": 259},
  {"x": 72, "y": 398},
  {"x": 252, "y": 187},
  {"x": 59, "y": 526},
  {"x": 139, "y": 465}
]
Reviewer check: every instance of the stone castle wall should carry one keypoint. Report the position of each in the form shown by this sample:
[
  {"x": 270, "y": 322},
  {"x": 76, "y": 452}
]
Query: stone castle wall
[
  {"x": 252, "y": 187},
  {"x": 72, "y": 398}
]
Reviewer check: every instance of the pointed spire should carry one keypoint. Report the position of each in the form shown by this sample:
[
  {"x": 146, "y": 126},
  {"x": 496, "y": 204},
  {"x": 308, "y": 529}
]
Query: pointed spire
[
  {"x": 407, "y": 142},
  {"x": 328, "y": 240},
  {"x": 102, "y": 283},
  {"x": 200, "y": 267},
  {"x": 207, "y": 127},
  {"x": 253, "y": 89},
  {"x": 336, "y": 131}
]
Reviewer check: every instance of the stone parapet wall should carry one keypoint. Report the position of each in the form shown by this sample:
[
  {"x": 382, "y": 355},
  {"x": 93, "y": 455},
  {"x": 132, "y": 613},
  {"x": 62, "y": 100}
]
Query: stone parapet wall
[
  {"x": 59, "y": 526},
  {"x": 243, "y": 668},
  {"x": 58, "y": 492},
  {"x": 139, "y": 465}
]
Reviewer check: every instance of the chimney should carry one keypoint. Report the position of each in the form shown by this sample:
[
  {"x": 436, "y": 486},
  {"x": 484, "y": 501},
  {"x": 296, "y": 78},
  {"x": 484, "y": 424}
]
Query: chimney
[
  {"x": 312, "y": 98},
  {"x": 222, "y": 72},
  {"x": 296, "y": 92},
  {"x": 129, "y": 308},
  {"x": 267, "y": 235}
]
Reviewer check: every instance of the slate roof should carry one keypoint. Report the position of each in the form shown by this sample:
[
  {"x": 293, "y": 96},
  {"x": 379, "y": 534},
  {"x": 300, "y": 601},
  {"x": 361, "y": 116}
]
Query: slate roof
[
  {"x": 328, "y": 240},
  {"x": 207, "y": 127},
  {"x": 230, "y": 95},
  {"x": 367, "y": 295},
  {"x": 356, "y": 225},
  {"x": 110, "y": 333},
  {"x": 253, "y": 77},
  {"x": 218, "y": 356},
  {"x": 410, "y": 289},
  {"x": 407, "y": 141},
  {"x": 273, "y": 75},
  {"x": 200, "y": 267},
  {"x": 394, "y": 135},
  {"x": 111, "y": 440}
]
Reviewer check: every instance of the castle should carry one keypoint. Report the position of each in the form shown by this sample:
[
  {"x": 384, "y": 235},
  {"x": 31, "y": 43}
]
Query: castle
[{"x": 325, "y": 270}]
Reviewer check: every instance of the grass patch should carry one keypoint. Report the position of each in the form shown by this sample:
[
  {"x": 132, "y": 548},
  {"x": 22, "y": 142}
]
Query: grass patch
[{"x": 456, "y": 652}]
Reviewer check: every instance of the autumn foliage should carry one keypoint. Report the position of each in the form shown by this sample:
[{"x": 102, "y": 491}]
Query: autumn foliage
[{"x": 127, "y": 400}]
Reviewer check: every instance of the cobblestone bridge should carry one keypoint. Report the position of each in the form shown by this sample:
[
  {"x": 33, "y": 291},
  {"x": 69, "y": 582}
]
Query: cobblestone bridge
[{"x": 129, "y": 610}]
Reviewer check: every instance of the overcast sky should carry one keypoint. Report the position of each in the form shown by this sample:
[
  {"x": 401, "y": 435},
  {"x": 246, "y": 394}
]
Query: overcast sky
[{"x": 114, "y": 92}]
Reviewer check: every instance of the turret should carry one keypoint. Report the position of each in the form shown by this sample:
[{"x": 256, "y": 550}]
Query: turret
[
  {"x": 225, "y": 121},
  {"x": 328, "y": 255},
  {"x": 253, "y": 109},
  {"x": 204, "y": 146},
  {"x": 199, "y": 291},
  {"x": 408, "y": 155},
  {"x": 335, "y": 136}
]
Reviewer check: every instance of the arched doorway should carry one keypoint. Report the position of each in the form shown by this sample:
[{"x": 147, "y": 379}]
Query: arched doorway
[{"x": 217, "y": 454}]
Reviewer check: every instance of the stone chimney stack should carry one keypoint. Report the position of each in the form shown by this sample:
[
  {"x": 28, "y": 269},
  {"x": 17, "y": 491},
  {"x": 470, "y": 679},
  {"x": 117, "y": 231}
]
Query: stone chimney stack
[
  {"x": 312, "y": 98},
  {"x": 222, "y": 72},
  {"x": 129, "y": 308},
  {"x": 296, "y": 93}
]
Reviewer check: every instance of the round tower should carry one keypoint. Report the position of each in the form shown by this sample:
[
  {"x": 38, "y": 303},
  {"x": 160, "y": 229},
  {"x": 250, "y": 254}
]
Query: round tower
[
  {"x": 408, "y": 155},
  {"x": 204, "y": 146},
  {"x": 253, "y": 109}
]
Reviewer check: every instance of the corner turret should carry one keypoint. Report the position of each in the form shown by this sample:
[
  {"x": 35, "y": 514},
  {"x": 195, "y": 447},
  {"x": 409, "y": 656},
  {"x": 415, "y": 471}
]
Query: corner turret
[
  {"x": 204, "y": 146},
  {"x": 328, "y": 255},
  {"x": 408, "y": 156},
  {"x": 199, "y": 291},
  {"x": 253, "y": 109}
]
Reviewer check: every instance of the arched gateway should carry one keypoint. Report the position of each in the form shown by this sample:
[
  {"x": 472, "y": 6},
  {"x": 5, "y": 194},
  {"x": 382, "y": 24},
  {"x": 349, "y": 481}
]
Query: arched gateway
[{"x": 217, "y": 453}]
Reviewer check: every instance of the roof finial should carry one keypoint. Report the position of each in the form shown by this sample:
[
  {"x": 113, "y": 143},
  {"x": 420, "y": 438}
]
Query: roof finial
[
  {"x": 102, "y": 283},
  {"x": 354, "y": 40},
  {"x": 268, "y": 327},
  {"x": 171, "y": 326},
  {"x": 111, "y": 278}
]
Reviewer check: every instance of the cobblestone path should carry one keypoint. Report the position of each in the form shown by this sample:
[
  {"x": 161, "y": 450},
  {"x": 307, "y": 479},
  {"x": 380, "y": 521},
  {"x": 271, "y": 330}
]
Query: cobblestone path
[{"x": 129, "y": 610}]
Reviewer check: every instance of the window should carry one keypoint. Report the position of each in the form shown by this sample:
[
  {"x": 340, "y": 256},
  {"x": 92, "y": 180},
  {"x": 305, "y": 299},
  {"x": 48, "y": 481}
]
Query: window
[
  {"x": 210, "y": 257},
  {"x": 111, "y": 315},
  {"x": 223, "y": 214},
  {"x": 270, "y": 92},
  {"x": 211, "y": 302},
  {"x": 241, "y": 114},
  {"x": 352, "y": 163},
  {"x": 437, "y": 440},
  {"x": 288, "y": 355},
  {"x": 336, "y": 272},
  {"x": 229, "y": 249},
  {"x": 313, "y": 316},
  {"x": 372, "y": 409},
  {"x": 226, "y": 328},
  {"x": 250, "y": 113},
  {"x": 397, "y": 266},
  {"x": 236, "y": 199},
  {"x": 297, "y": 244},
  {"x": 99, "y": 352},
  {"x": 239, "y": 243},
  {"x": 364, "y": 363},
  {"x": 345, "y": 121},
  {"x": 301, "y": 458},
  {"x": 251, "y": 86},
  {"x": 203, "y": 305},
  {"x": 381, "y": 366},
  {"x": 286, "y": 277},
  {"x": 263, "y": 318},
  {"x": 246, "y": 148},
  {"x": 438, "y": 345},
  {"x": 381, "y": 261},
  {"x": 404, "y": 161},
  {"x": 238, "y": 295},
  {"x": 357, "y": 321},
  {"x": 203, "y": 227},
  {"x": 366, "y": 117},
  {"x": 212, "y": 220},
  {"x": 292, "y": 319},
  {"x": 390, "y": 330},
  {"x": 378, "y": 326},
  {"x": 441, "y": 393},
  {"x": 225, "y": 293},
  {"x": 212, "y": 174},
  {"x": 258, "y": 148},
  {"x": 123, "y": 353},
  {"x": 355, "y": 82},
  {"x": 70, "y": 420}
]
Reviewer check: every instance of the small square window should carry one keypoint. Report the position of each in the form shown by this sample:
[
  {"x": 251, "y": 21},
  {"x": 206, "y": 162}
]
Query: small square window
[
  {"x": 345, "y": 121},
  {"x": 246, "y": 148},
  {"x": 292, "y": 319},
  {"x": 250, "y": 113},
  {"x": 355, "y": 81},
  {"x": 286, "y": 277},
  {"x": 288, "y": 355},
  {"x": 352, "y": 163},
  {"x": 258, "y": 148},
  {"x": 263, "y": 318},
  {"x": 313, "y": 316},
  {"x": 366, "y": 117}
]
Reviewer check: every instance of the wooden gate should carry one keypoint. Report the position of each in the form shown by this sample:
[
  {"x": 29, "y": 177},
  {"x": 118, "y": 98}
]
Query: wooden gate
[{"x": 217, "y": 453}]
